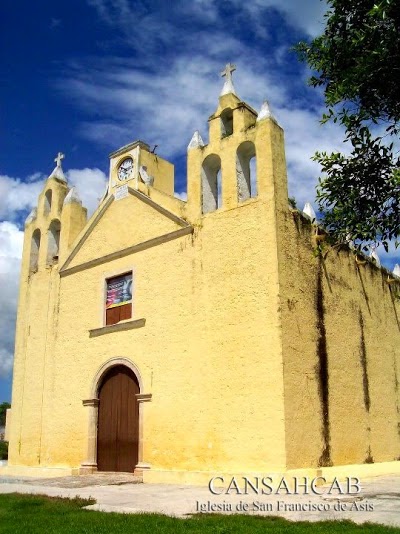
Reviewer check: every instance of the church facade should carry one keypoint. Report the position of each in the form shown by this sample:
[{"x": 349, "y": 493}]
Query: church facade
[{"x": 215, "y": 336}]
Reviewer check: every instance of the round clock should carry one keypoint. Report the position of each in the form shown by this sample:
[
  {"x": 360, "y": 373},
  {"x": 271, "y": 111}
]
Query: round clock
[{"x": 125, "y": 169}]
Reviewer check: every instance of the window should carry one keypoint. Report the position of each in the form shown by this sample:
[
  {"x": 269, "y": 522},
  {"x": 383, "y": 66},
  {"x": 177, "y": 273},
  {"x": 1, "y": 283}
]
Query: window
[{"x": 119, "y": 298}]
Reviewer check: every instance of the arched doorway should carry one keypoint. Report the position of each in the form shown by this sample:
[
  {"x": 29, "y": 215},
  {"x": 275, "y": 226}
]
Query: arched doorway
[{"x": 118, "y": 421}]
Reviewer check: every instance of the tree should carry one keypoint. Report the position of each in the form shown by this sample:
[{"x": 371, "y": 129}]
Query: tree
[
  {"x": 357, "y": 63},
  {"x": 3, "y": 410}
]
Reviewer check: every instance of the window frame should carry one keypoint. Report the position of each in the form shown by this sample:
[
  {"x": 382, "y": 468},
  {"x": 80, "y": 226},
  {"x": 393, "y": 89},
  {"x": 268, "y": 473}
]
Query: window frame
[{"x": 106, "y": 280}]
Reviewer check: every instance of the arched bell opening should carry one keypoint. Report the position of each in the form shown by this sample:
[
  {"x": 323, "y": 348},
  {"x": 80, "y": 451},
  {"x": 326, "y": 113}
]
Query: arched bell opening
[
  {"x": 246, "y": 171},
  {"x": 53, "y": 244},
  {"x": 47, "y": 201},
  {"x": 35, "y": 249},
  {"x": 211, "y": 180},
  {"x": 226, "y": 122}
]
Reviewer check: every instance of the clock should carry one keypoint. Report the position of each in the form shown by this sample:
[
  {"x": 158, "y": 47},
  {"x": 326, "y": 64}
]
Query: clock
[{"x": 125, "y": 169}]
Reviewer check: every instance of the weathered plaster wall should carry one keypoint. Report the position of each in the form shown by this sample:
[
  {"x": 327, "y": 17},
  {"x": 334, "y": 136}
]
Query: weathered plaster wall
[{"x": 341, "y": 346}]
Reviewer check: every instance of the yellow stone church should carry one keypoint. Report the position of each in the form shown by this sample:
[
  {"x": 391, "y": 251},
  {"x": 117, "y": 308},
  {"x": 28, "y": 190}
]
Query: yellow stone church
[{"x": 221, "y": 335}]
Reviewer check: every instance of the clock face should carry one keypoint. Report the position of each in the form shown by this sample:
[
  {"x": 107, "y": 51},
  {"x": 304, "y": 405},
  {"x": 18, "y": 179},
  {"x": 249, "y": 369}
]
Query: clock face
[{"x": 125, "y": 169}]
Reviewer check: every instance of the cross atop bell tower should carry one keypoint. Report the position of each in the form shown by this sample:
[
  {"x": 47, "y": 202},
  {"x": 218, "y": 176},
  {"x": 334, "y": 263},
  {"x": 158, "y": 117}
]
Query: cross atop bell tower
[
  {"x": 58, "y": 172},
  {"x": 228, "y": 85},
  {"x": 59, "y": 158}
]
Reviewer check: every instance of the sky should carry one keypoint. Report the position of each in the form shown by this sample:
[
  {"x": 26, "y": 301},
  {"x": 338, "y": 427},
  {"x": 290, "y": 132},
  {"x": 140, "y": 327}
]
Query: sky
[{"x": 86, "y": 77}]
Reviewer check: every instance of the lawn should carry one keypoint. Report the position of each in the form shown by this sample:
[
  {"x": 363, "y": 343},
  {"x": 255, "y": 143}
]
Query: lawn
[{"x": 31, "y": 514}]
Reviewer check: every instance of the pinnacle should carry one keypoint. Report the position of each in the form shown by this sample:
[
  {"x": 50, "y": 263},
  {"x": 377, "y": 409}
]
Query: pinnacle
[
  {"x": 196, "y": 140},
  {"x": 72, "y": 196}
]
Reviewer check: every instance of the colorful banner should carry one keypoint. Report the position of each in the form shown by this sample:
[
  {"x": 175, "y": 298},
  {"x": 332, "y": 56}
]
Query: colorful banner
[{"x": 119, "y": 291}]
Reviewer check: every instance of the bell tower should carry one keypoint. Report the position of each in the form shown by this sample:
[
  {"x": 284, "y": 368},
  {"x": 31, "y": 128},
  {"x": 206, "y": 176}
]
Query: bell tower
[
  {"x": 244, "y": 159},
  {"x": 50, "y": 230},
  {"x": 43, "y": 225}
]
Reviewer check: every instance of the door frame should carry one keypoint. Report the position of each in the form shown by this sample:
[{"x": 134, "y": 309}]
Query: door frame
[{"x": 89, "y": 465}]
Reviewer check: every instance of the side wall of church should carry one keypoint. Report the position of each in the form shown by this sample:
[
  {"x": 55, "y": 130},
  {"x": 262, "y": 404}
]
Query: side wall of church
[{"x": 341, "y": 346}]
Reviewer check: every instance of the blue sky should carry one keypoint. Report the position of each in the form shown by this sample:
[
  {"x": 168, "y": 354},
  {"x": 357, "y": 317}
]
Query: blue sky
[{"x": 86, "y": 77}]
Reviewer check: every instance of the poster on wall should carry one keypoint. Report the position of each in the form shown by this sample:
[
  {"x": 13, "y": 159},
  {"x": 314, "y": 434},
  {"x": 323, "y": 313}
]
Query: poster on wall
[{"x": 119, "y": 291}]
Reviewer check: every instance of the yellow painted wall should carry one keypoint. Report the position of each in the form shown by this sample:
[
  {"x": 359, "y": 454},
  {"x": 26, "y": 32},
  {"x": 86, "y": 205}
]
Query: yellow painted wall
[
  {"x": 160, "y": 169},
  {"x": 123, "y": 224},
  {"x": 194, "y": 353},
  {"x": 232, "y": 302}
]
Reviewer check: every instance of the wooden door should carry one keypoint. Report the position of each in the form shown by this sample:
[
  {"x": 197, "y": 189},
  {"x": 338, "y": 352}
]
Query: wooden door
[{"x": 118, "y": 427}]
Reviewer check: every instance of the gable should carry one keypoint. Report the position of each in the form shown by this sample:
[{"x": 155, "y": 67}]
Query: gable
[{"x": 121, "y": 226}]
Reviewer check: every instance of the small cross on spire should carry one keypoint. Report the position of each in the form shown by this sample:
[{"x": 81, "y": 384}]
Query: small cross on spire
[
  {"x": 58, "y": 172},
  {"x": 229, "y": 68},
  {"x": 228, "y": 85},
  {"x": 60, "y": 156}
]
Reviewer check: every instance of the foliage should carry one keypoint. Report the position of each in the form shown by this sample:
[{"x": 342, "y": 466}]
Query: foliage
[
  {"x": 357, "y": 63},
  {"x": 37, "y": 514},
  {"x": 3, "y": 410},
  {"x": 3, "y": 450}
]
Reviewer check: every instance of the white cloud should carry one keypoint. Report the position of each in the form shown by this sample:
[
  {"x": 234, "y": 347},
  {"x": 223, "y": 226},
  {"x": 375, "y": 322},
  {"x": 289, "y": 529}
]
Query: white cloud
[
  {"x": 91, "y": 185},
  {"x": 307, "y": 15},
  {"x": 205, "y": 10},
  {"x": 157, "y": 22},
  {"x": 168, "y": 106},
  {"x": 17, "y": 196},
  {"x": 303, "y": 135},
  {"x": 11, "y": 241},
  {"x": 143, "y": 98},
  {"x": 6, "y": 363},
  {"x": 165, "y": 108},
  {"x": 163, "y": 102}
]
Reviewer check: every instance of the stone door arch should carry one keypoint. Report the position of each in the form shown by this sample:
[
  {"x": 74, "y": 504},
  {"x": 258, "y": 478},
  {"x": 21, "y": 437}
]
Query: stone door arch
[{"x": 89, "y": 465}]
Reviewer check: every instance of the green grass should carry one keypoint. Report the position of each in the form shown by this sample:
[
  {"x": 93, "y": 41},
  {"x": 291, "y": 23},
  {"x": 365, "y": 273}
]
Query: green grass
[{"x": 31, "y": 514}]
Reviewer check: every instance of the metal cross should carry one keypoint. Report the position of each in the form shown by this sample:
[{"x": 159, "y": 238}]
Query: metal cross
[
  {"x": 58, "y": 159},
  {"x": 229, "y": 68}
]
